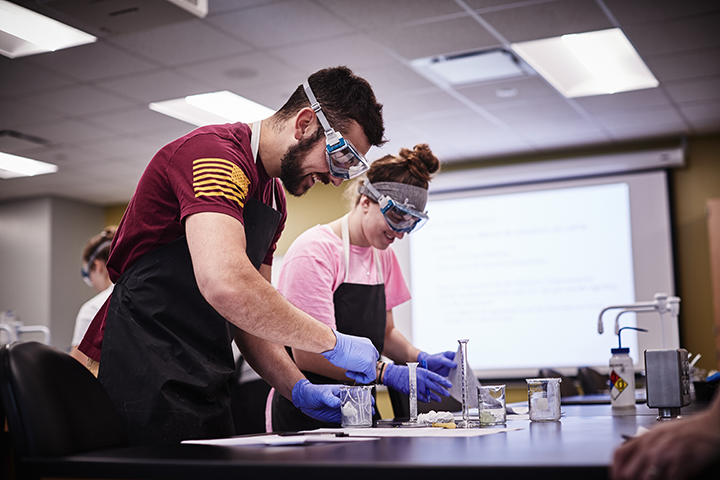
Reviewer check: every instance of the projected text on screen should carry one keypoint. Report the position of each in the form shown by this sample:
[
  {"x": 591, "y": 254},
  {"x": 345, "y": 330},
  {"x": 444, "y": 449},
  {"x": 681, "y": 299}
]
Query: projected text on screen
[{"x": 523, "y": 275}]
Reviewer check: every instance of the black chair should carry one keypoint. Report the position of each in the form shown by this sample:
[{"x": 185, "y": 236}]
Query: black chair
[
  {"x": 54, "y": 406},
  {"x": 592, "y": 382},
  {"x": 567, "y": 386}
]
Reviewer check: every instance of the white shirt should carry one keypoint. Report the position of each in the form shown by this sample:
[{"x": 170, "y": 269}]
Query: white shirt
[{"x": 87, "y": 313}]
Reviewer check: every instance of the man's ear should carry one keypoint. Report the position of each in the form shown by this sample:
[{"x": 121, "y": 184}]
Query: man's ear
[{"x": 305, "y": 120}]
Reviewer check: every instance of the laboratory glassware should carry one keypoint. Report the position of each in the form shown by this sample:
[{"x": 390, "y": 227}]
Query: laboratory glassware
[{"x": 544, "y": 399}]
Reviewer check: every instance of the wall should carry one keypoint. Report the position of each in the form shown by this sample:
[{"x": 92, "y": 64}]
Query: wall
[
  {"x": 692, "y": 187},
  {"x": 41, "y": 243},
  {"x": 25, "y": 260}
]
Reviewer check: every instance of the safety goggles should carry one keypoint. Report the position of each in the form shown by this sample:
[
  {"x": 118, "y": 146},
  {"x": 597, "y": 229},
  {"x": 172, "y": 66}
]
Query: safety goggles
[
  {"x": 85, "y": 270},
  {"x": 343, "y": 159},
  {"x": 399, "y": 217}
]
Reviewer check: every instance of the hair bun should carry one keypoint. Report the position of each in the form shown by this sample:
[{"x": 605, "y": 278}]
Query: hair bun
[{"x": 421, "y": 161}]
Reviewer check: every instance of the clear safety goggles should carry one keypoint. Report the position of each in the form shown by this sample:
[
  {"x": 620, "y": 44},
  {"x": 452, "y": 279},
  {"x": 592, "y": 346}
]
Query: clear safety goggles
[
  {"x": 399, "y": 217},
  {"x": 85, "y": 270},
  {"x": 343, "y": 159}
]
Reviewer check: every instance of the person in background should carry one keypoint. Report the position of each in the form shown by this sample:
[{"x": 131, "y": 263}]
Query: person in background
[
  {"x": 192, "y": 257},
  {"x": 94, "y": 274},
  {"x": 675, "y": 450},
  {"x": 345, "y": 275}
]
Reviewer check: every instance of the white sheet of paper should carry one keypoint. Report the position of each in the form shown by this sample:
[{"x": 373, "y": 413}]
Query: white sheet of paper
[
  {"x": 455, "y": 376},
  {"x": 269, "y": 440}
]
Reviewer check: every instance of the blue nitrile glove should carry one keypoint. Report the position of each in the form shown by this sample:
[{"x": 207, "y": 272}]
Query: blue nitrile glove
[
  {"x": 357, "y": 355},
  {"x": 440, "y": 363},
  {"x": 321, "y": 402},
  {"x": 398, "y": 377}
]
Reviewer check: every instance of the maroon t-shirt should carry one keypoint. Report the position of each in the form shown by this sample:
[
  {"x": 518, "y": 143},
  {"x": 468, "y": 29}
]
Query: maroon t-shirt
[{"x": 211, "y": 169}]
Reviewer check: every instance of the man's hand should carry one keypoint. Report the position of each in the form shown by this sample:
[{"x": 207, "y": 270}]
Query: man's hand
[
  {"x": 321, "y": 402},
  {"x": 675, "y": 450},
  {"x": 357, "y": 355}
]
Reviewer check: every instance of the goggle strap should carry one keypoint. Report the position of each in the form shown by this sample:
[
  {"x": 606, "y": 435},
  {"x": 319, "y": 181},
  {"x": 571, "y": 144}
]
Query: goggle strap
[{"x": 315, "y": 105}]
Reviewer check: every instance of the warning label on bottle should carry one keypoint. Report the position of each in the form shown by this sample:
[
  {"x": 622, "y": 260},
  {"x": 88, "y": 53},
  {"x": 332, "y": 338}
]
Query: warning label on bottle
[{"x": 618, "y": 384}]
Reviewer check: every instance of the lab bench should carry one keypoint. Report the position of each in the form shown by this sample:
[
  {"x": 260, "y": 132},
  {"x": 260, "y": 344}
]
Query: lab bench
[{"x": 580, "y": 445}]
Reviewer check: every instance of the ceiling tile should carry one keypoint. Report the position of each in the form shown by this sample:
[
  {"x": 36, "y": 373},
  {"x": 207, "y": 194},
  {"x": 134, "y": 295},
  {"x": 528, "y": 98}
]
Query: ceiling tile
[
  {"x": 548, "y": 19},
  {"x": 66, "y": 131},
  {"x": 685, "y": 65},
  {"x": 500, "y": 4},
  {"x": 14, "y": 114},
  {"x": 79, "y": 100},
  {"x": 218, "y": 7},
  {"x": 135, "y": 120},
  {"x": 637, "y": 99},
  {"x": 161, "y": 137},
  {"x": 566, "y": 140},
  {"x": 182, "y": 43},
  {"x": 642, "y": 11},
  {"x": 18, "y": 76},
  {"x": 272, "y": 94},
  {"x": 357, "y": 50},
  {"x": 538, "y": 110},
  {"x": 237, "y": 72},
  {"x": 677, "y": 35},
  {"x": 371, "y": 14},
  {"x": 437, "y": 38},
  {"x": 702, "y": 113},
  {"x": 282, "y": 23},
  {"x": 558, "y": 127},
  {"x": 705, "y": 88},
  {"x": 425, "y": 104},
  {"x": 648, "y": 132},
  {"x": 65, "y": 157},
  {"x": 526, "y": 87},
  {"x": 639, "y": 118},
  {"x": 92, "y": 62},
  {"x": 155, "y": 87},
  {"x": 122, "y": 147},
  {"x": 387, "y": 82}
]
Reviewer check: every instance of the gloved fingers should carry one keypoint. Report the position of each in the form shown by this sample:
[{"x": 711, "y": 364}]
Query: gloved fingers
[
  {"x": 331, "y": 396},
  {"x": 450, "y": 355},
  {"x": 359, "y": 377},
  {"x": 357, "y": 355},
  {"x": 433, "y": 378}
]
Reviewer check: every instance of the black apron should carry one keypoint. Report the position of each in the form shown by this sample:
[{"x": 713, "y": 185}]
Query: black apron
[
  {"x": 166, "y": 355},
  {"x": 359, "y": 310}
]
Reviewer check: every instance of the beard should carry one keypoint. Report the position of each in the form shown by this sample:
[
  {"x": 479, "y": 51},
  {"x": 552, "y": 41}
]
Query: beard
[{"x": 291, "y": 173}]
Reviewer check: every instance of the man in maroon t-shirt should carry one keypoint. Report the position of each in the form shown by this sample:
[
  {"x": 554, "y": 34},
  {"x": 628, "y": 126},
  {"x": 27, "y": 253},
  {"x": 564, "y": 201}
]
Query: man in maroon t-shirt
[{"x": 192, "y": 260}]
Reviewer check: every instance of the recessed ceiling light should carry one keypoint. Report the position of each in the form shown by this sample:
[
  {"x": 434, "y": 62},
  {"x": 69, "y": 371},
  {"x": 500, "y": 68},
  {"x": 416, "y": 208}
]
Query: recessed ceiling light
[
  {"x": 24, "y": 32},
  {"x": 12, "y": 166},
  {"x": 591, "y": 63},
  {"x": 467, "y": 68},
  {"x": 212, "y": 108}
]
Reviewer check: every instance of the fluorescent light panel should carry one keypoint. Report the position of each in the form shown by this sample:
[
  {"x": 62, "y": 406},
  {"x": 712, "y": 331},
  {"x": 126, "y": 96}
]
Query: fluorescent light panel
[
  {"x": 24, "y": 32},
  {"x": 13, "y": 166},
  {"x": 591, "y": 63},
  {"x": 467, "y": 68},
  {"x": 213, "y": 108}
]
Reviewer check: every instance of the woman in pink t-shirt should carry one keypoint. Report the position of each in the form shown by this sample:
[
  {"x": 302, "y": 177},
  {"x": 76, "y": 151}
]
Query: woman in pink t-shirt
[{"x": 344, "y": 275}]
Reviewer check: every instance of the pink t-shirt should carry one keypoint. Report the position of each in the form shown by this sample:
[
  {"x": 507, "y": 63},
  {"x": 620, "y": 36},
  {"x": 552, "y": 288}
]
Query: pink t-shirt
[{"x": 314, "y": 267}]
